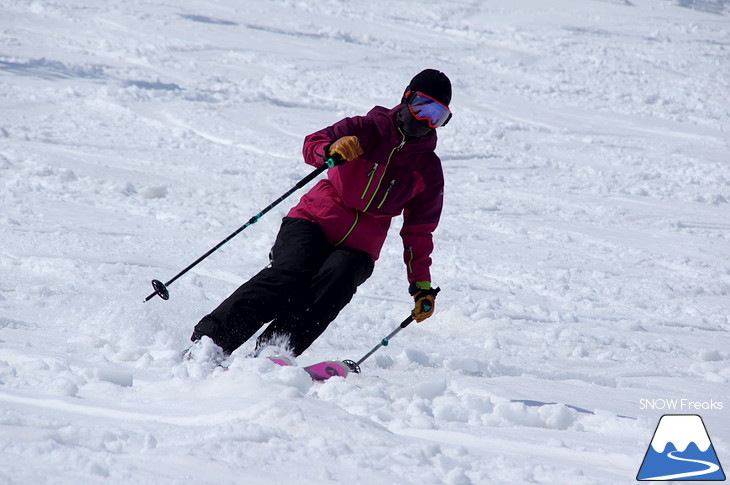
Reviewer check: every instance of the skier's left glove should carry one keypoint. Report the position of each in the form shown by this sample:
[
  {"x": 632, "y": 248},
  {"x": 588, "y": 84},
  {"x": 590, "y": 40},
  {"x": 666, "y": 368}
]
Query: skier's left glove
[{"x": 425, "y": 299}]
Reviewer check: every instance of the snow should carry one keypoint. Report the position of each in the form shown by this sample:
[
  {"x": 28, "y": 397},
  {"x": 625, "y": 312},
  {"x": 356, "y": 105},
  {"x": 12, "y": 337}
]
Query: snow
[
  {"x": 680, "y": 430},
  {"x": 583, "y": 254}
]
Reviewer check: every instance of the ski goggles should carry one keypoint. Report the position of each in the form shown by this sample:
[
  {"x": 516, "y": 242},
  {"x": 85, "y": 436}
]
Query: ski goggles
[{"x": 424, "y": 108}]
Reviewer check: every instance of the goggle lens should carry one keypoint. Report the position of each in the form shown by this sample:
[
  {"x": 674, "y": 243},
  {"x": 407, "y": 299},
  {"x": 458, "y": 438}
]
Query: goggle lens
[{"x": 425, "y": 108}]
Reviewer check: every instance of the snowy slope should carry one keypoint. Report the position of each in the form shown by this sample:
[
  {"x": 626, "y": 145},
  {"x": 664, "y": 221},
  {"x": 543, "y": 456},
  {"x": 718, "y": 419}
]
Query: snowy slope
[{"x": 584, "y": 251}]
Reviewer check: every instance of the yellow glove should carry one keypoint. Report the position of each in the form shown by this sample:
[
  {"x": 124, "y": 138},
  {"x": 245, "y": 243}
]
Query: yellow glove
[
  {"x": 348, "y": 148},
  {"x": 425, "y": 299}
]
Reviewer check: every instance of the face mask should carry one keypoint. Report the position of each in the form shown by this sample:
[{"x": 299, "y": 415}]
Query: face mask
[{"x": 412, "y": 127}]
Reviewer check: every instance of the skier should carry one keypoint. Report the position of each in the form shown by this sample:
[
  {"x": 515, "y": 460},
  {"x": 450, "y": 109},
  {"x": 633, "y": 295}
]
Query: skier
[{"x": 328, "y": 243}]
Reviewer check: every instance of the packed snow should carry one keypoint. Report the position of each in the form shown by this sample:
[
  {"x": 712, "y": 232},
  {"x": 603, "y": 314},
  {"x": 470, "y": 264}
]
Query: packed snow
[{"x": 583, "y": 253}]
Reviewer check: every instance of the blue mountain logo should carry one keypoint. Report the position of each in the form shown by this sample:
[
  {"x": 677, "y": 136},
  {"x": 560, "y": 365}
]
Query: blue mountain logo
[{"x": 681, "y": 450}]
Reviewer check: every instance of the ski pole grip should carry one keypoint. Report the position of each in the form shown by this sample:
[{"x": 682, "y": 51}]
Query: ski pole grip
[
  {"x": 408, "y": 320},
  {"x": 334, "y": 159}
]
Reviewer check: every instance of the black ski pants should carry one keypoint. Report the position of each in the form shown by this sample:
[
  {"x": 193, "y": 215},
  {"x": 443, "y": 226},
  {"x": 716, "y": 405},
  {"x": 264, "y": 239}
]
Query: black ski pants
[{"x": 303, "y": 289}]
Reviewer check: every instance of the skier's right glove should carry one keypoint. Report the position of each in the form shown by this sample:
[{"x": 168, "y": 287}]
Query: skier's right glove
[
  {"x": 424, "y": 298},
  {"x": 346, "y": 148}
]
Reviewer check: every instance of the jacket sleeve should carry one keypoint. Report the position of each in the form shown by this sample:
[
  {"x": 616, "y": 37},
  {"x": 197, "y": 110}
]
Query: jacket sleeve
[
  {"x": 316, "y": 143},
  {"x": 420, "y": 218}
]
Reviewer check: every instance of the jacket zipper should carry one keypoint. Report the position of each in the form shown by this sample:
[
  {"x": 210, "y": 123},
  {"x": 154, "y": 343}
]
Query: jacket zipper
[
  {"x": 370, "y": 179},
  {"x": 357, "y": 218},
  {"x": 392, "y": 152},
  {"x": 409, "y": 249},
  {"x": 387, "y": 191},
  {"x": 370, "y": 175}
]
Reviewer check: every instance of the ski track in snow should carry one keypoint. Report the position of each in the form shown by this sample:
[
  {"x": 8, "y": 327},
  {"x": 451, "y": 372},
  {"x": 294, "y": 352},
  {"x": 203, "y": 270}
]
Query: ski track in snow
[{"x": 583, "y": 253}]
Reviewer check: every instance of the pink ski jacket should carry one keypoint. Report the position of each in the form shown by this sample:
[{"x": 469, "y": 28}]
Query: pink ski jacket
[{"x": 354, "y": 205}]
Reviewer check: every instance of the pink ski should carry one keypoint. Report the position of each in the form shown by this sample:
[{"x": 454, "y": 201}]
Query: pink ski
[
  {"x": 327, "y": 369},
  {"x": 318, "y": 372}
]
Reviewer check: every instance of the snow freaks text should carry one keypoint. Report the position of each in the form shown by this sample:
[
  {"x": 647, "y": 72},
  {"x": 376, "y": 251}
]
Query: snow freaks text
[{"x": 680, "y": 404}]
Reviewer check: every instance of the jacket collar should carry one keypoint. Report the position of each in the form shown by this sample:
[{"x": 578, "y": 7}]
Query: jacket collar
[{"x": 386, "y": 121}]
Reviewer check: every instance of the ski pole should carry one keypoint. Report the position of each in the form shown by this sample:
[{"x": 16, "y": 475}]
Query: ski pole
[
  {"x": 161, "y": 288},
  {"x": 355, "y": 366}
]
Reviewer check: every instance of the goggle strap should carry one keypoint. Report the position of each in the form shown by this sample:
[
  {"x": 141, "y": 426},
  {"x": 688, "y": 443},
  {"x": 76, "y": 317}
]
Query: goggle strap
[{"x": 407, "y": 97}]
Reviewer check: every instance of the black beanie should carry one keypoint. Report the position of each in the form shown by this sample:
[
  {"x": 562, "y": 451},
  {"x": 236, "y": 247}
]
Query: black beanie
[{"x": 432, "y": 83}]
